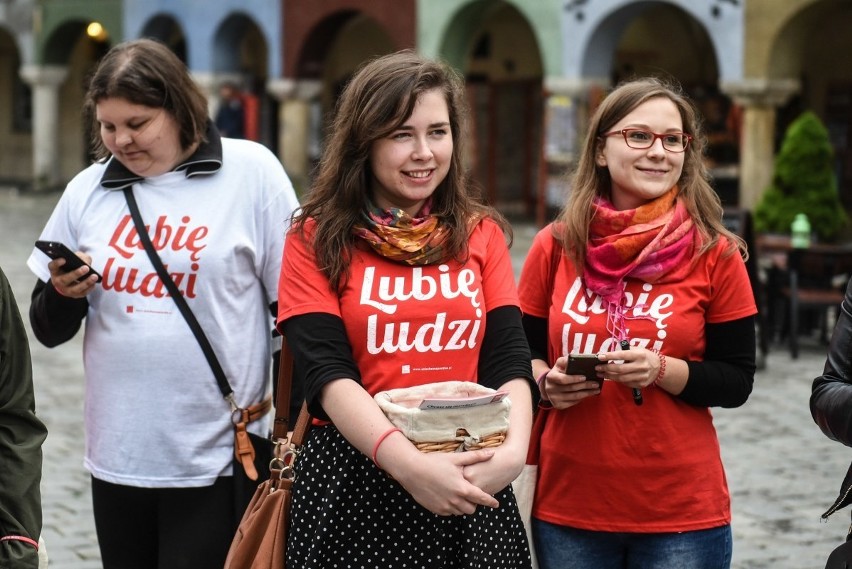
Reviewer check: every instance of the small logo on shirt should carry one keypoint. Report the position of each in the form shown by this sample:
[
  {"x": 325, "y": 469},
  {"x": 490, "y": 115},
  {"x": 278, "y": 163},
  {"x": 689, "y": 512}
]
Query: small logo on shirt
[{"x": 130, "y": 309}]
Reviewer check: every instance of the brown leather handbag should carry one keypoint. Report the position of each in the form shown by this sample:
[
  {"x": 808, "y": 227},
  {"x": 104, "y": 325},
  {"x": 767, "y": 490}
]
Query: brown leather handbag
[{"x": 261, "y": 538}]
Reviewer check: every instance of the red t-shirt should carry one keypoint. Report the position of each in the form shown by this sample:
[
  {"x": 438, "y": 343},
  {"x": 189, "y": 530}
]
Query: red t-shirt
[
  {"x": 407, "y": 325},
  {"x": 607, "y": 464}
]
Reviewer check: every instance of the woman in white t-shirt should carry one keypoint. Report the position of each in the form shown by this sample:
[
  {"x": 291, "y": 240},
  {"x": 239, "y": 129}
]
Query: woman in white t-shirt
[{"x": 159, "y": 436}]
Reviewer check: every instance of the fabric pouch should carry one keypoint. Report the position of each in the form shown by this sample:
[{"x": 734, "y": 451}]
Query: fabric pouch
[{"x": 448, "y": 416}]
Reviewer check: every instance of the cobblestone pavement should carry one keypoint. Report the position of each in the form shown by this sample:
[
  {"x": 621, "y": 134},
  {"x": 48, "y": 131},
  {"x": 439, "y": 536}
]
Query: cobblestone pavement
[{"x": 782, "y": 471}]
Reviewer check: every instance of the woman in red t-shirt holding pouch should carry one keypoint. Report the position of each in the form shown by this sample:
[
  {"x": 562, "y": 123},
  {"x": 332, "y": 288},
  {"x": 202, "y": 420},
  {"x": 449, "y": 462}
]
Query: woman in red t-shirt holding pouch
[
  {"x": 393, "y": 276},
  {"x": 647, "y": 278}
]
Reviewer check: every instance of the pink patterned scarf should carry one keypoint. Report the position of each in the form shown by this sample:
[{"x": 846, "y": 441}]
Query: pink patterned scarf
[{"x": 654, "y": 243}]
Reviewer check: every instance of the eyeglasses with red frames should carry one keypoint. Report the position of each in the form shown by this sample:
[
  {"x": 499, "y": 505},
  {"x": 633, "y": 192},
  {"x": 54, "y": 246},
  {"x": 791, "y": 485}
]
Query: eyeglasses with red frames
[{"x": 643, "y": 139}]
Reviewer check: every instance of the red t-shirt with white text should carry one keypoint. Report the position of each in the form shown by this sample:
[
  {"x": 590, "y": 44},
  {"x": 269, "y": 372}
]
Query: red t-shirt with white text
[
  {"x": 406, "y": 325},
  {"x": 607, "y": 464}
]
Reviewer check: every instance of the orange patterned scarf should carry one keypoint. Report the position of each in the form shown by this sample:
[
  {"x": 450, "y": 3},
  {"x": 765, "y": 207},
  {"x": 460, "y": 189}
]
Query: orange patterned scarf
[
  {"x": 395, "y": 235},
  {"x": 654, "y": 243}
]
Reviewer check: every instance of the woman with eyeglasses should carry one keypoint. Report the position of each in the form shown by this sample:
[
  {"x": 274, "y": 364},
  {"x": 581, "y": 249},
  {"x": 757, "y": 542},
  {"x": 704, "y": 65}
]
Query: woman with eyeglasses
[{"x": 639, "y": 270}]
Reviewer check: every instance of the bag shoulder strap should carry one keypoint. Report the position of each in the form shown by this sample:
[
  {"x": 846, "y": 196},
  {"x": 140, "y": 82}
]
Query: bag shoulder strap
[
  {"x": 555, "y": 255},
  {"x": 281, "y": 425},
  {"x": 285, "y": 368},
  {"x": 180, "y": 301}
]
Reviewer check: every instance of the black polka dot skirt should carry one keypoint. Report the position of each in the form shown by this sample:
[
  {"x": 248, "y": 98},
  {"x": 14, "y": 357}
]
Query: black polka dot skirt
[{"x": 347, "y": 513}]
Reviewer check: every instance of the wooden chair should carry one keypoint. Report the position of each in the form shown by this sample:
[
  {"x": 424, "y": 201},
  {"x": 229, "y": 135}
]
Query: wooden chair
[{"x": 817, "y": 281}]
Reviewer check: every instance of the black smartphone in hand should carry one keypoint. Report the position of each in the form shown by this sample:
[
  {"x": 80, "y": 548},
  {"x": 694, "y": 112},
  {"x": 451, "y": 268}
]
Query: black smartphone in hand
[
  {"x": 584, "y": 364},
  {"x": 57, "y": 250}
]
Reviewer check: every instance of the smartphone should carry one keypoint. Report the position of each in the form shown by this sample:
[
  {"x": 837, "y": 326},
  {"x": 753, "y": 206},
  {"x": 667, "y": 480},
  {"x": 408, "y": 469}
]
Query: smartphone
[
  {"x": 584, "y": 364},
  {"x": 57, "y": 250}
]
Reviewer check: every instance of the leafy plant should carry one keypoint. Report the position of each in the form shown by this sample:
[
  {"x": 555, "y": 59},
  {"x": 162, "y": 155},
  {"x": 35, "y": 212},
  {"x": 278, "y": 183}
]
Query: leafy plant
[{"x": 803, "y": 182}]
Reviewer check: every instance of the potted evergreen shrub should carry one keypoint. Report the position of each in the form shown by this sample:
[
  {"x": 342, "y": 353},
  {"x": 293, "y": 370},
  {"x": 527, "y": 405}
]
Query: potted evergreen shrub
[{"x": 803, "y": 182}]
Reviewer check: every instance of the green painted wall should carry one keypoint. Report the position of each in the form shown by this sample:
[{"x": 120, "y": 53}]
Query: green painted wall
[
  {"x": 60, "y": 22},
  {"x": 438, "y": 20}
]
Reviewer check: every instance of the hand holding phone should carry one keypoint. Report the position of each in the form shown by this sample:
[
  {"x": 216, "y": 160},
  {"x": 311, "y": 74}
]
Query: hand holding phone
[
  {"x": 584, "y": 364},
  {"x": 57, "y": 250}
]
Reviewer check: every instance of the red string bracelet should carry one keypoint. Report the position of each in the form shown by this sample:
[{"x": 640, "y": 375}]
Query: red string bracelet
[
  {"x": 27, "y": 540},
  {"x": 380, "y": 440}
]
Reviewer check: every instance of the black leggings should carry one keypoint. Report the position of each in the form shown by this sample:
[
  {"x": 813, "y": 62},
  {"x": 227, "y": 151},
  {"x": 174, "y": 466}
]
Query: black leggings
[{"x": 164, "y": 528}]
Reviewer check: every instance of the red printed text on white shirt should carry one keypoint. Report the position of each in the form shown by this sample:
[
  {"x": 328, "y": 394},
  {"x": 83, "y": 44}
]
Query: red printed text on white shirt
[{"x": 164, "y": 236}]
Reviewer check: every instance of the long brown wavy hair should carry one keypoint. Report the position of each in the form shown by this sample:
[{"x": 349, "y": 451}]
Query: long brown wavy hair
[
  {"x": 378, "y": 99},
  {"x": 590, "y": 180}
]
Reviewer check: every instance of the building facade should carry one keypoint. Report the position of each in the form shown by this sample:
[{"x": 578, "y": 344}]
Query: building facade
[{"x": 534, "y": 70}]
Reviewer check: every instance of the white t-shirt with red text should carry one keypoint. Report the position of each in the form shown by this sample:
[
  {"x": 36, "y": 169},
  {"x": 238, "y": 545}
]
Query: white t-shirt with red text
[{"x": 154, "y": 414}]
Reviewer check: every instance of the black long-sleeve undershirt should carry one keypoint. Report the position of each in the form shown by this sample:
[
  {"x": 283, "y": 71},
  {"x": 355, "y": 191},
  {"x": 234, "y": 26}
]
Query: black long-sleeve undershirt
[{"x": 55, "y": 319}]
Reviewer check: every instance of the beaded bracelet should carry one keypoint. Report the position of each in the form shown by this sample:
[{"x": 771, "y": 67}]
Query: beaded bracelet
[
  {"x": 380, "y": 440},
  {"x": 661, "y": 374}
]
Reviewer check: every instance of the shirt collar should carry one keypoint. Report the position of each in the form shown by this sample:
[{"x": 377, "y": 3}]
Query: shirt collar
[{"x": 207, "y": 159}]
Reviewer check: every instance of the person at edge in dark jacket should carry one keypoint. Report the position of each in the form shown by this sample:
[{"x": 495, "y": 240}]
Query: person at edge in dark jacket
[
  {"x": 831, "y": 408},
  {"x": 21, "y": 437}
]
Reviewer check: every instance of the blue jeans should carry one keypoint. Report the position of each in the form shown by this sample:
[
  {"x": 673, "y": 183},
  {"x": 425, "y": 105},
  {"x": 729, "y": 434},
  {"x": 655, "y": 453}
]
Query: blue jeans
[{"x": 561, "y": 547}]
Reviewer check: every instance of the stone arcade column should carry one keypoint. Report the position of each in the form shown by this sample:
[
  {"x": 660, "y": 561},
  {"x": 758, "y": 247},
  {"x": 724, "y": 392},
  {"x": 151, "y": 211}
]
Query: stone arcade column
[
  {"x": 295, "y": 136},
  {"x": 45, "y": 81},
  {"x": 759, "y": 99}
]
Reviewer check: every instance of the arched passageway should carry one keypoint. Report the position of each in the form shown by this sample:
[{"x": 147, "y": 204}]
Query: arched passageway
[{"x": 502, "y": 64}]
